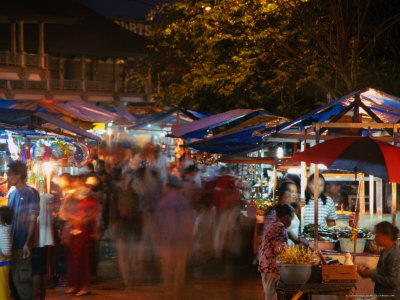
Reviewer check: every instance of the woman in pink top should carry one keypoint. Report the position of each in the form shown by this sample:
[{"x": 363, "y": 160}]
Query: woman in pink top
[{"x": 274, "y": 238}]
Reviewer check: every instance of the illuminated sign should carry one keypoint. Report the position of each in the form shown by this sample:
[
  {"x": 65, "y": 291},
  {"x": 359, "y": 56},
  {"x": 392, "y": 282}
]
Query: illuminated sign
[{"x": 137, "y": 27}]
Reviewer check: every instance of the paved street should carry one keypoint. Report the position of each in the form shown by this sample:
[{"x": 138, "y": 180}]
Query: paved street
[
  {"x": 215, "y": 281},
  {"x": 207, "y": 289}
]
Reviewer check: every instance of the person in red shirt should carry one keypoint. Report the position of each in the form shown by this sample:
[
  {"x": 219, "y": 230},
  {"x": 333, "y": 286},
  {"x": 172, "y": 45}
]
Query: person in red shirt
[
  {"x": 274, "y": 239},
  {"x": 84, "y": 220}
]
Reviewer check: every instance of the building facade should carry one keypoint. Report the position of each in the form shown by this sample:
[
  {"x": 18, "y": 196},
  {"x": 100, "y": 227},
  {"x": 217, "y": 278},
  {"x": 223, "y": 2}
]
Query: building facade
[{"x": 65, "y": 57}]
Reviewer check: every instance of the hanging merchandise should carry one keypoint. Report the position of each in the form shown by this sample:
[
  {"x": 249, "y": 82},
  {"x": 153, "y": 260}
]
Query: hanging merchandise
[
  {"x": 69, "y": 151},
  {"x": 82, "y": 154},
  {"x": 61, "y": 153},
  {"x": 40, "y": 152},
  {"x": 25, "y": 153},
  {"x": 57, "y": 150},
  {"x": 207, "y": 159},
  {"x": 12, "y": 147}
]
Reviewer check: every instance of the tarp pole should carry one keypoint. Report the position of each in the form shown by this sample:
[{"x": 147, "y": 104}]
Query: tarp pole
[
  {"x": 371, "y": 198},
  {"x": 316, "y": 198},
  {"x": 303, "y": 183},
  {"x": 357, "y": 215},
  {"x": 275, "y": 184},
  {"x": 362, "y": 195},
  {"x": 379, "y": 195},
  {"x": 394, "y": 203}
]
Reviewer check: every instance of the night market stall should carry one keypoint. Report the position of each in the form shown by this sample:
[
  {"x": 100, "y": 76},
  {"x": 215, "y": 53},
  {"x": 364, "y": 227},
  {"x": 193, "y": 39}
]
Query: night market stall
[{"x": 364, "y": 113}]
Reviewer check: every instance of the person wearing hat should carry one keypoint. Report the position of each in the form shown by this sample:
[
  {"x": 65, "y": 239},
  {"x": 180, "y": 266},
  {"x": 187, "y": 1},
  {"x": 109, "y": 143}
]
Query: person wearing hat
[{"x": 174, "y": 221}]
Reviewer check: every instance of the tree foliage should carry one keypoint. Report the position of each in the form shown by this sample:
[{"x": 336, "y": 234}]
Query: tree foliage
[{"x": 282, "y": 55}]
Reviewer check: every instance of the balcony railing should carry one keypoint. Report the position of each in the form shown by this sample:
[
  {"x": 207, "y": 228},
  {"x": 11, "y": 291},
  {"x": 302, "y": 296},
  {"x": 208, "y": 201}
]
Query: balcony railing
[
  {"x": 8, "y": 58},
  {"x": 29, "y": 85},
  {"x": 70, "y": 85},
  {"x": 35, "y": 60},
  {"x": 99, "y": 86}
]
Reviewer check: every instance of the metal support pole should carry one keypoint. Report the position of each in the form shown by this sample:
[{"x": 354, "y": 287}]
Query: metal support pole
[
  {"x": 379, "y": 200},
  {"x": 13, "y": 37},
  {"x": 371, "y": 198},
  {"x": 21, "y": 42},
  {"x": 275, "y": 183},
  {"x": 303, "y": 185},
  {"x": 362, "y": 194},
  {"x": 41, "y": 45},
  {"x": 394, "y": 203},
  {"x": 316, "y": 192},
  {"x": 83, "y": 73}
]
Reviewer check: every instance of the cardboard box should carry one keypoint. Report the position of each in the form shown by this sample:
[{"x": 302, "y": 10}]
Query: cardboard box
[{"x": 339, "y": 273}]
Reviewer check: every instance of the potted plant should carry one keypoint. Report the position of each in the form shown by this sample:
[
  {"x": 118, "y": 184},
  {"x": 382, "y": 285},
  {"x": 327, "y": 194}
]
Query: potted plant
[{"x": 295, "y": 264}]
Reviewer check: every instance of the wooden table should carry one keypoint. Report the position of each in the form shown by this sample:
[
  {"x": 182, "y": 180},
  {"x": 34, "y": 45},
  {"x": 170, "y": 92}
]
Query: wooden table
[{"x": 286, "y": 291}]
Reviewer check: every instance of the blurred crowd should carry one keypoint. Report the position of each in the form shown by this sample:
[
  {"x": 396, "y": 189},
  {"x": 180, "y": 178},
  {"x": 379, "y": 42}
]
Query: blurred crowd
[{"x": 150, "y": 215}]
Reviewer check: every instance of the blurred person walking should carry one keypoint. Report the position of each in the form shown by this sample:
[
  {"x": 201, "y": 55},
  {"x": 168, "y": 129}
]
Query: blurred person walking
[
  {"x": 43, "y": 240},
  {"x": 227, "y": 240},
  {"x": 127, "y": 228},
  {"x": 80, "y": 252},
  {"x": 63, "y": 226},
  {"x": 5, "y": 252},
  {"x": 174, "y": 226},
  {"x": 24, "y": 205},
  {"x": 149, "y": 188}
]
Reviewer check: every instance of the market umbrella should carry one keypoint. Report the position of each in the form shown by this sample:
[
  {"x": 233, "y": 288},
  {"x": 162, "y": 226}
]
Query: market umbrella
[{"x": 358, "y": 154}]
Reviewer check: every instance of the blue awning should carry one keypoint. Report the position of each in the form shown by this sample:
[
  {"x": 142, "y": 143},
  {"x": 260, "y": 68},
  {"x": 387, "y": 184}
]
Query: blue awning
[
  {"x": 53, "y": 119},
  {"x": 199, "y": 128},
  {"x": 384, "y": 106},
  {"x": 124, "y": 114}
]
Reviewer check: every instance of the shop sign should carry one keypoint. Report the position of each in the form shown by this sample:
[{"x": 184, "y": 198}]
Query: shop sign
[{"x": 137, "y": 27}]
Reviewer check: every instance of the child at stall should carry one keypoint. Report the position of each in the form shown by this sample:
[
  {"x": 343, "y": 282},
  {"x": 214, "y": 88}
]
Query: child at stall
[
  {"x": 274, "y": 238},
  {"x": 5, "y": 252}
]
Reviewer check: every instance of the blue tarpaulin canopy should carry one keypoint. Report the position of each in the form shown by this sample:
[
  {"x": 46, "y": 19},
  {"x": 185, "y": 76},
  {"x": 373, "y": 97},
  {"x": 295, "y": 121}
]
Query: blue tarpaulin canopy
[
  {"x": 174, "y": 115},
  {"x": 28, "y": 121},
  {"x": 198, "y": 129},
  {"x": 239, "y": 138},
  {"x": 7, "y": 103},
  {"x": 15, "y": 118},
  {"x": 124, "y": 114},
  {"x": 376, "y": 105},
  {"x": 53, "y": 119},
  {"x": 88, "y": 112}
]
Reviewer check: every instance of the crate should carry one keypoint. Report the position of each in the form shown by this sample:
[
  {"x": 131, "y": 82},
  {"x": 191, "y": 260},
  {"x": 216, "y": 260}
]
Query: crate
[{"x": 339, "y": 273}]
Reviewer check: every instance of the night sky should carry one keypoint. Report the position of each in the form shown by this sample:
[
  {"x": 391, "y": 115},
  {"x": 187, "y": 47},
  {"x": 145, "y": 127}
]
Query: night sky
[{"x": 127, "y": 9}]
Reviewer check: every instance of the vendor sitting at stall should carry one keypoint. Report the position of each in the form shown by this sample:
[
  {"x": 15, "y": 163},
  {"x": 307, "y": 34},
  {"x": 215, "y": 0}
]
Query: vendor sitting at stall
[
  {"x": 274, "y": 238},
  {"x": 287, "y": 194},
  {"x": 387, "y": 273},
  {"x": 326, "y": 207}
]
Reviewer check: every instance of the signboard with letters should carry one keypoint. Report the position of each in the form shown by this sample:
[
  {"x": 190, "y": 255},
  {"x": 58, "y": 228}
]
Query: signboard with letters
[{"x": 140, "y": 28}]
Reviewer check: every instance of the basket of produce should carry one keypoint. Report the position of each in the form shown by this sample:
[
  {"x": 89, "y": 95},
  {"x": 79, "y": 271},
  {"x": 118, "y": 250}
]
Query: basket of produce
[
  {"x": 326, "y": 237},
  {"x": 347, "y": 245},
  {"x": 295, "y": 264}
]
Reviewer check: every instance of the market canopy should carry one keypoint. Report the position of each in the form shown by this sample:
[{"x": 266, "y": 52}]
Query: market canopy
[
  {"x": 80, "y": 110},
  {"x": 53, "y": 119},
  {"x": 368, "y": 104},
  {"x": 16, "y": 118},
  {"x": 124, "y": 114},
  {"x": 169, "y": 116},
  {"x": 239, "y": 138},
  {"x": 199, "y": 128}
]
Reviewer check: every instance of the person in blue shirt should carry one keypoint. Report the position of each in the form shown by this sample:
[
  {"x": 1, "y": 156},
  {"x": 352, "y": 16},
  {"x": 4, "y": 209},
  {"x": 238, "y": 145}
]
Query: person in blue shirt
[{"x": 25, "y": 205}]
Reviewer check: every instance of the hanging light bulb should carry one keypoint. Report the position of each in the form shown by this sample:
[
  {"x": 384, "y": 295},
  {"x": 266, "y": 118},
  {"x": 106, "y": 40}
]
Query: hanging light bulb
[{"x": 279, "y": 152}]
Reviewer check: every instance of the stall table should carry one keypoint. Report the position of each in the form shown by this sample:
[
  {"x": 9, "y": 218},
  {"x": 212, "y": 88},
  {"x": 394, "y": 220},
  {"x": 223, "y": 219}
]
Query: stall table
[{"x": 286, "y": 291}]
